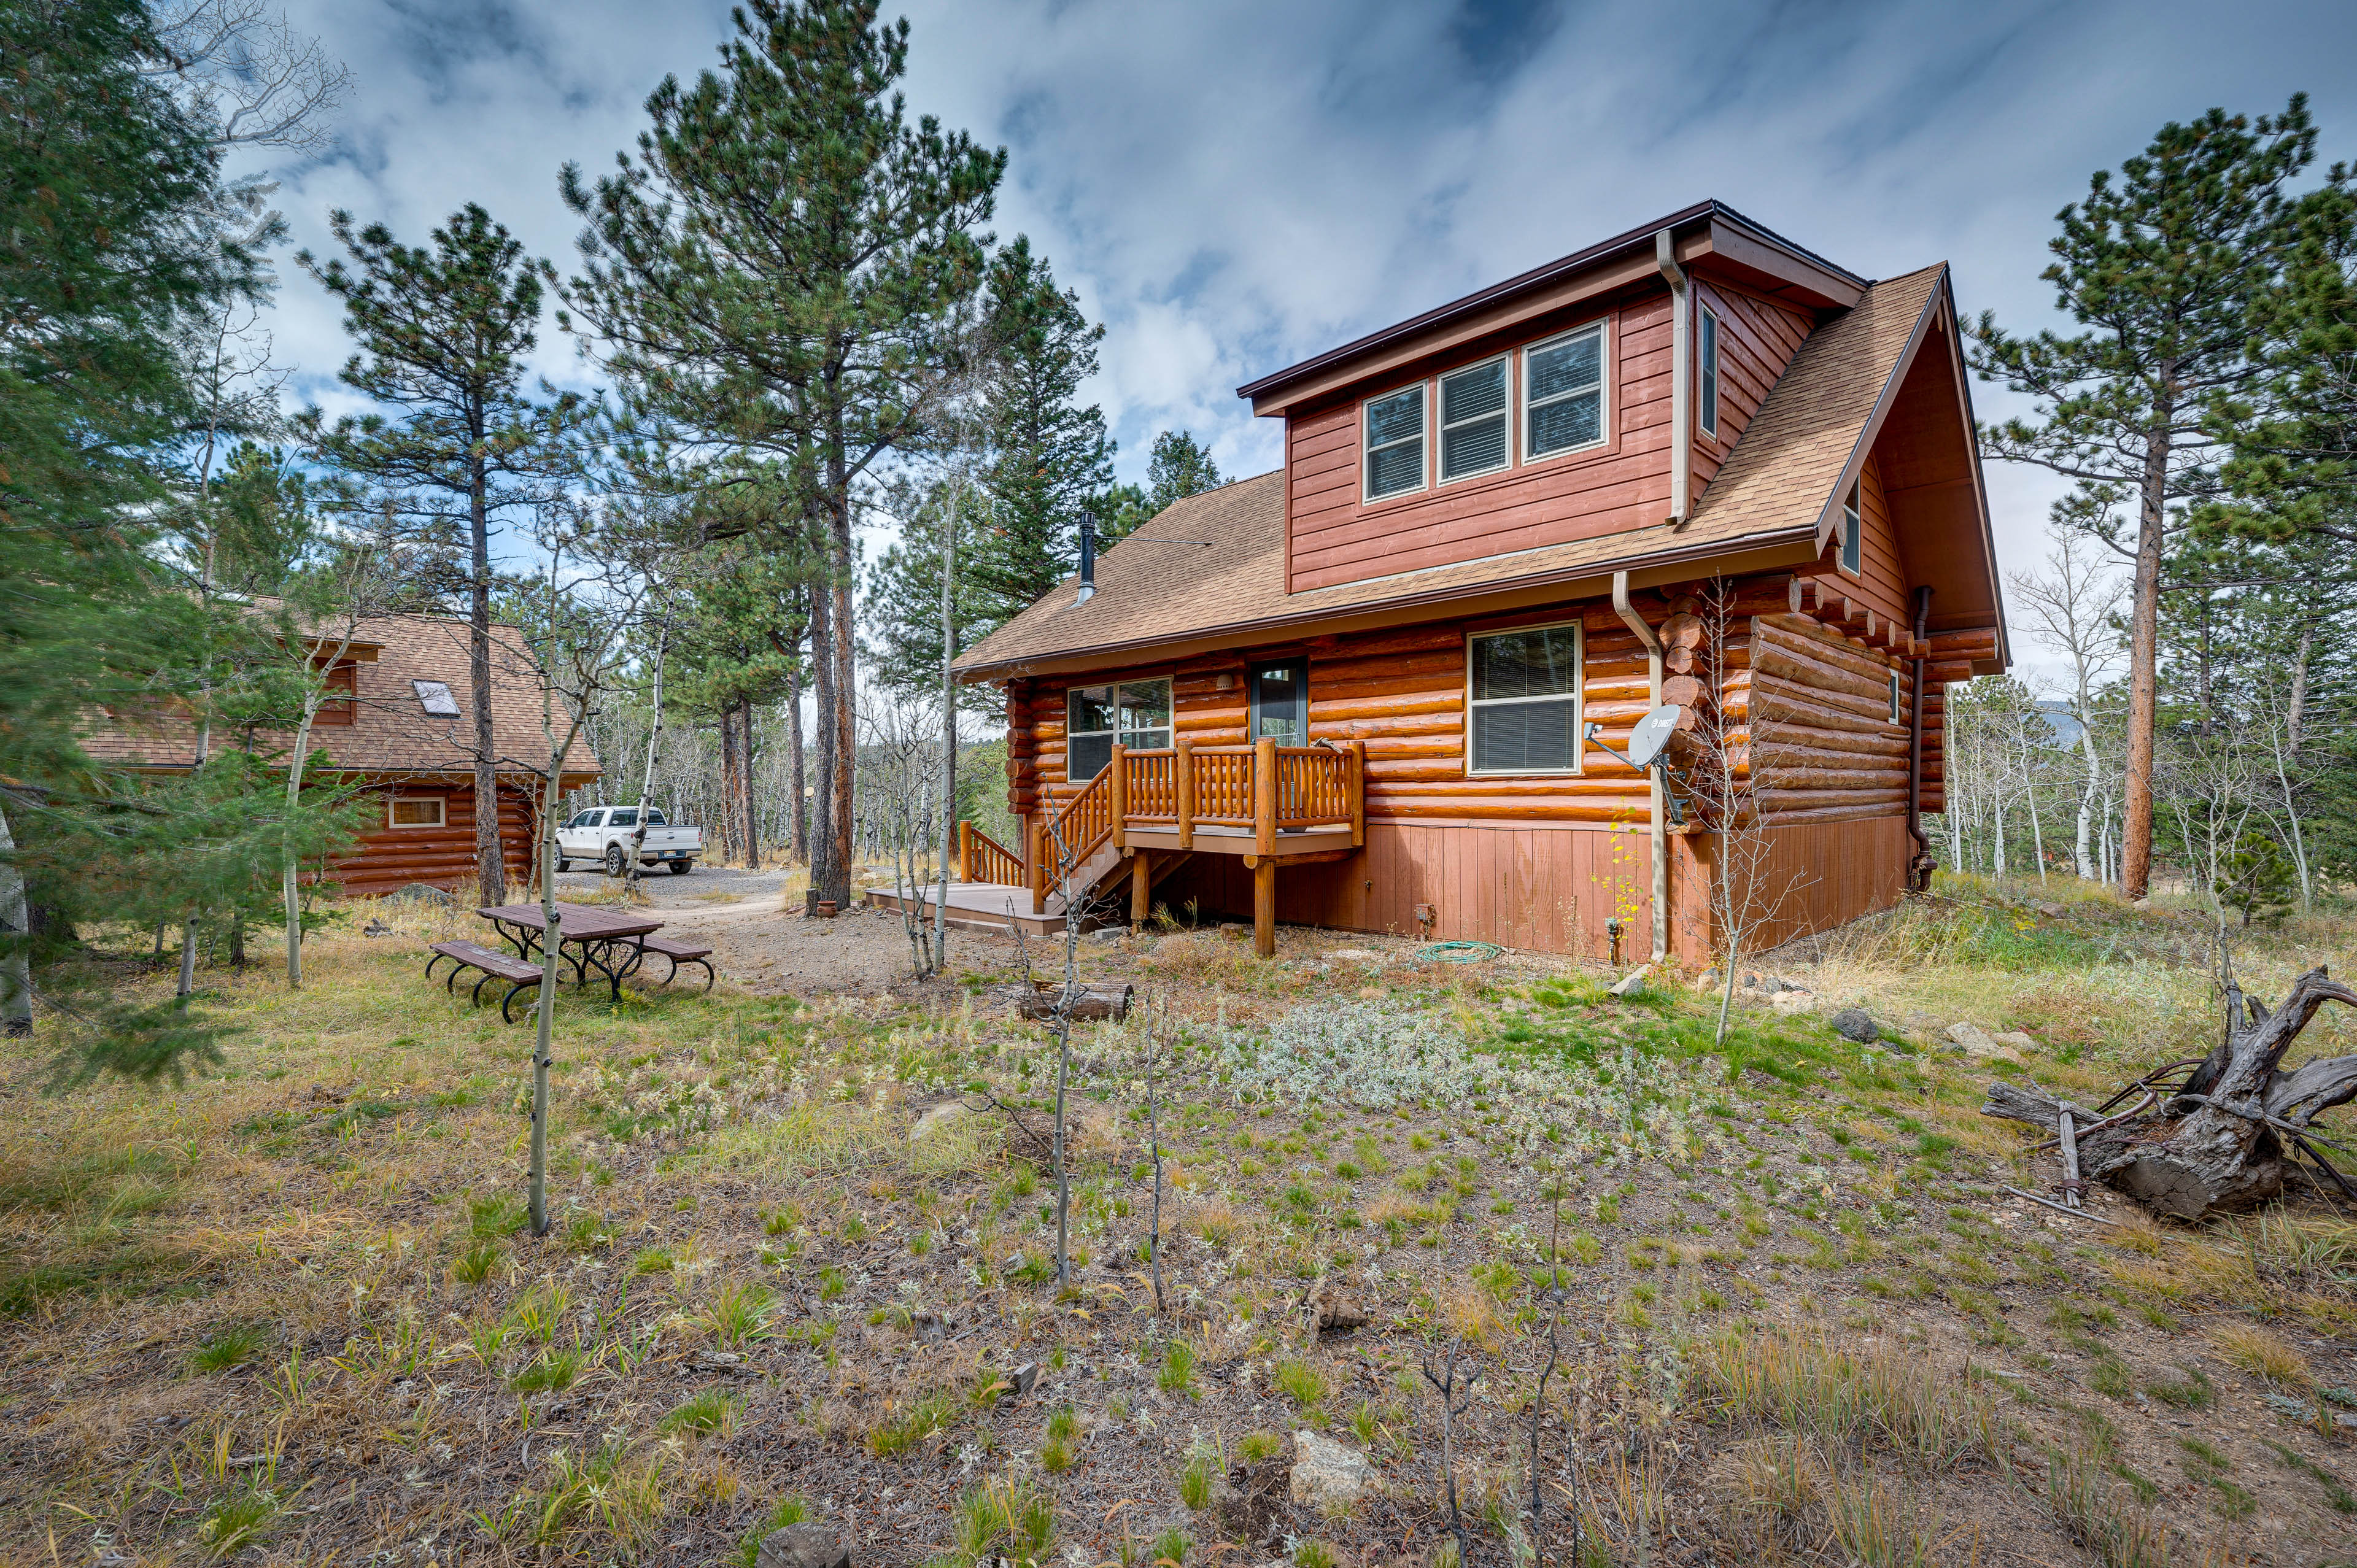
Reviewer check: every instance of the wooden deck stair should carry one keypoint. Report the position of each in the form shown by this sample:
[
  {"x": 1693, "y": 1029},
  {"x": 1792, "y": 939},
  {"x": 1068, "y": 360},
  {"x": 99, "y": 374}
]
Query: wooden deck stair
[{"x": 1146, "y": 813}]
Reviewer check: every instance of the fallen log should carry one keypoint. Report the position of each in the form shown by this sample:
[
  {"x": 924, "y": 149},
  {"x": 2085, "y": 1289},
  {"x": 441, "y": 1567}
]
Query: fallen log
[
  {"x": 1047, "y": 1001},
  {"x": 2224, "y": 1140}
]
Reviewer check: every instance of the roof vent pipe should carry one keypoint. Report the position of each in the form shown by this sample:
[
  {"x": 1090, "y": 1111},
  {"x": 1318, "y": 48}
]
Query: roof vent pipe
[
  {"x": 1681, "y": 378},
  {"x": 1088, "y": 560}
]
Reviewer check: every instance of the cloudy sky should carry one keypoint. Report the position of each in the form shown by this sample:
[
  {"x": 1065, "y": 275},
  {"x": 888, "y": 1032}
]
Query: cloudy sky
[{"x": 1233, "y": 187}]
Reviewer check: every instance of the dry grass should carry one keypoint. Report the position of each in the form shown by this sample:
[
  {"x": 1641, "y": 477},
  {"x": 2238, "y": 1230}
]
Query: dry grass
[{"x": 2263, "y": 1353}]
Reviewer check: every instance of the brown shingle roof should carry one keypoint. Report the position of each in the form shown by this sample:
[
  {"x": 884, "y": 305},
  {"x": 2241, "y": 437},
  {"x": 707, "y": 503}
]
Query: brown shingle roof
[
  {"x": 1782, "y": 472},
  {"x": 390, "y": 732},
  {"x": 1228, "y": 576}
]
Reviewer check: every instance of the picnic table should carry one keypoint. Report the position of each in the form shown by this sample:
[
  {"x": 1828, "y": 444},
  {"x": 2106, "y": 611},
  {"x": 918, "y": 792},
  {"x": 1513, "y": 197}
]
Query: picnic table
[{"x": 610, "y": 940}]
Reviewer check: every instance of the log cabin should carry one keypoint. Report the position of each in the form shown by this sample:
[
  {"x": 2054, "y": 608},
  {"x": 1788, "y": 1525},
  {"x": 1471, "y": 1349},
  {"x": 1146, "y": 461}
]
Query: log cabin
[
  {"x": 404, "y": 738},
  {"x": 1694, "y": 465}
]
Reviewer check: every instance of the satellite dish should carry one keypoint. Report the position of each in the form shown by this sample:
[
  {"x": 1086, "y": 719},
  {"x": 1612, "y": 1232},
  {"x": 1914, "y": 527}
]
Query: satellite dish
[{"x": 1653, "y": 733}]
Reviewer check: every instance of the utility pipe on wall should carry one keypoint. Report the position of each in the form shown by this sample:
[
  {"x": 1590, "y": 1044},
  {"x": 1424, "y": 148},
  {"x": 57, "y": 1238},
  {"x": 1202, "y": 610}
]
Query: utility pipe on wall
[
  {"x": 1681, "y": 378},
  {"x": 1661, "y": 834},
  {"x": 1919, "y": 870}
]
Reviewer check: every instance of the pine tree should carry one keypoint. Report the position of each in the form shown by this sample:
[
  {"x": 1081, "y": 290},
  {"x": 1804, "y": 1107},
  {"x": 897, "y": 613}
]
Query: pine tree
[
  {"x": 904, "y": 593},
  {"x": 444, "y": 333},
  {"x": 1049, "y": 459},
  {"x": 102, "y": 178},
  {"x": 781, "y": 270},
  {"x": 1175, "y": 469},
  {"x": 2162, "y": 267}
]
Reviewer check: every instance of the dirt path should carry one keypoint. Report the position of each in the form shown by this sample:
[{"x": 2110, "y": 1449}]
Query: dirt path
[{"x": 768, "y": 951}]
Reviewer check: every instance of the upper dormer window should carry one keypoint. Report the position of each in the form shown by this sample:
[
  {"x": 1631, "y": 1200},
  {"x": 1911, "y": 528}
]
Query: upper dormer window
[
  {"x": 1706, "y": 383},
  {"x": 1395, "y": 444},
  {"x": 1563, "y": 392},
  {"x": 1473, "y": 421},
  {"x": 1853, "y": 540}
]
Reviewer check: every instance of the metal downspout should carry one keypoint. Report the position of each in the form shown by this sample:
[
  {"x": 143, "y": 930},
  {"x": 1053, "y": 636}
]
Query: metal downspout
[
  {"x": 1661, "y": 825},
  {"x": 1681, "y": 380},
  {"x": 1919, "y": 870}
]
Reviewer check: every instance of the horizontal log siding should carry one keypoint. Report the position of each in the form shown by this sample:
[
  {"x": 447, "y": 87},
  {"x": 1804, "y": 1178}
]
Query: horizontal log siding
[
  {"x": 1810, "y": 717},
  {"x": 1756, "y": 341},
  {"x": 1625, "y": 484},
  {"x": 389, "y": 858},
  {"x": 1542, "y": 861}
]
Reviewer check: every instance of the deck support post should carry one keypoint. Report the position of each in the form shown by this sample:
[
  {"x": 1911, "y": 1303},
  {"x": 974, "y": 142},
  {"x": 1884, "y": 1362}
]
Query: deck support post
[
  {"x": 1183, "y": 771},
  {"x": 1265, "y": 797},
  {"x": 965, "y": 850},
  {"x": 1264, "y": 903},
  {"x": 1118, "y": 786},
  {"x": 1141, "y": 886},
  {"x": 1358, "y": 794}
]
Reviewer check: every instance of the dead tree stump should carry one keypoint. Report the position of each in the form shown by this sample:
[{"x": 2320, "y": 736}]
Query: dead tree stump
[{"x": 2223, "y": 1140}]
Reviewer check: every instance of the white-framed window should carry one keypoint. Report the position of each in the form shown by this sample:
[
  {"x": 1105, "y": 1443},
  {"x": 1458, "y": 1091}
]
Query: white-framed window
[
  {"x": 1895, "y": 717},
  {"x": 414, "y": 812},
  {"x": 1521, "y": 700},
  {"x": 1134, "y": 712},
  {"x": 1473, "y": 438},
  {"x": 1563, "y": 392},
  {"x": 1707, "y": 382},
  {"x": 1852, "y": 539},
  {"x": 1395, "y": 442}
]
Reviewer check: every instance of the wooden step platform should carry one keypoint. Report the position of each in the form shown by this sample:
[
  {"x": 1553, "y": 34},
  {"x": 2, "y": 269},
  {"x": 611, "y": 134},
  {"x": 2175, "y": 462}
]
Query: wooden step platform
[{"x": 979, "y": 907}]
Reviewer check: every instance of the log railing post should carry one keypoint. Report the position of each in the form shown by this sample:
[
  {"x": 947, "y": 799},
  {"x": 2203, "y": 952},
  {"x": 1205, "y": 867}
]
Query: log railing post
[
  {"x": 1119, "y": 768},
  {"x": 1183, "y": 786},
  {"x": 1358, "y": 794},
  {"x": 1039, "y": 863},
  {"x": 965, "y": 852},
  {"x": 1265, "y": 797}
]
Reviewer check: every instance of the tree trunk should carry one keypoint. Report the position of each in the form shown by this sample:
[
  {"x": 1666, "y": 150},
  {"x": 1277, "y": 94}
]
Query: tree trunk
[
  {"x": 797, "y": 815},
  {"x": 2288, "y": 759},
  {"x": 2221, "y": 1142},
  {"x": 2144, "y": 663},
  {"x": 746, "y": 791},
  {"x": 724, "y": 820},
  {"x": 822, "y": 824},
  {"x": 491, "y": 855},
  {"x": 15, "y": 934}
]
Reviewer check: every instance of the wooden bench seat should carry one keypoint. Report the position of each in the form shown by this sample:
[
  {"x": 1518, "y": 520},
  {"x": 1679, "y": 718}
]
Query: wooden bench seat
[
  {"x": 680, "y": 953},
  {"x": 520, "y": 974}
]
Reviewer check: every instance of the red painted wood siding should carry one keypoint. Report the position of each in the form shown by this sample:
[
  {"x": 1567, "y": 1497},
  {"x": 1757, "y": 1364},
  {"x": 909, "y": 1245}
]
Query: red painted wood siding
[
  {"x": 1624, "y": 484},
  {"x": 1756, "y": 341}
]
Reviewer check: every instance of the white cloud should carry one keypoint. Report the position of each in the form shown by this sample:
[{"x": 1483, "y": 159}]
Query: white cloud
[{"x": 1233, "y": 187}]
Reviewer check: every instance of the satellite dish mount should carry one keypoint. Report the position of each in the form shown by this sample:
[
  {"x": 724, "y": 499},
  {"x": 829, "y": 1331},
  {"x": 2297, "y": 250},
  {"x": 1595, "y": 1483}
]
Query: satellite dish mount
[{"x": 1649, "y": 751}]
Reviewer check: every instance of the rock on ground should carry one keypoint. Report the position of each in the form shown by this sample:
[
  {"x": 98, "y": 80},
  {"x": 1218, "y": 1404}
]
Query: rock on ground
[
  {"x": 802, "y": 1546},
  {"x": 941, "y": 1118},
  {"x": 1633, "y": 982},
  {"x": 1328, "y": 1476},
  {"x": 1857, "y": 1024},
  {"x": 1975, "y": 1041}
]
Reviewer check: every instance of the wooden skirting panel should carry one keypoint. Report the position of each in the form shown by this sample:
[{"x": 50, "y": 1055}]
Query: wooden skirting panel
[
  {"x": 1543, "y": 888},
  {"x": 1522, "y": 886},
  {"x": 1812, "y": 876}
]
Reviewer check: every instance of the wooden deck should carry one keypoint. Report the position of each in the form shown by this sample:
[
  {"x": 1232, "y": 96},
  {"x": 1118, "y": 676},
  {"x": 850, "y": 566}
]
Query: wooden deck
[{"x": 979, "y": 907}]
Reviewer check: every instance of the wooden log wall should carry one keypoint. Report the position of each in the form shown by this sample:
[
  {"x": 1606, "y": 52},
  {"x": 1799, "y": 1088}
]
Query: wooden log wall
[
  {"x": 1546, "y": 861},
  {"x": 387, "y": 858}
]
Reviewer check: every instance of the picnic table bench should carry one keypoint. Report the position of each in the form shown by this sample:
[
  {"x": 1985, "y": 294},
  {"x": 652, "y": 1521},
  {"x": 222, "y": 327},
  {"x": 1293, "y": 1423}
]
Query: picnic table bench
[
  {"x": 681, "y": 952},
  {"x": 496, "y": 966},
  {"x": 611, "y": 941}
]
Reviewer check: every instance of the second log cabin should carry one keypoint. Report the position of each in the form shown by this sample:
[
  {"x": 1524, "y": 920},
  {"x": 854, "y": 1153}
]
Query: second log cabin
[{"x": 1389, "y": 687}]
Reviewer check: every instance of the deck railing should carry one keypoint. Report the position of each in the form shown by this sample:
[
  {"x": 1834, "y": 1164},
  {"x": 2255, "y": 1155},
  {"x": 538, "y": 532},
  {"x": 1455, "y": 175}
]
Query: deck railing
[
  {"x": 1266, "y": 786},
  {"x": 1072, "y": 835},
  {"x": 982, "y": 858}
]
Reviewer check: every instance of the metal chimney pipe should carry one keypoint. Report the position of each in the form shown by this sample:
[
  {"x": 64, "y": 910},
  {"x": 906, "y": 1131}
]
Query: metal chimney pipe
[{"x": 1088, "y": 560}]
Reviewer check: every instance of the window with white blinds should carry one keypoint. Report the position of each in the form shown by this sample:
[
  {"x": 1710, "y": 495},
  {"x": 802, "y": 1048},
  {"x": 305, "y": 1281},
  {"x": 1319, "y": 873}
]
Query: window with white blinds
[
  {"x": 1522, "y": 704},
  {"x": 1473, "y": 421},
  {"x": 1563, "y": 392},
  {"x": 1394, "y": 425}
]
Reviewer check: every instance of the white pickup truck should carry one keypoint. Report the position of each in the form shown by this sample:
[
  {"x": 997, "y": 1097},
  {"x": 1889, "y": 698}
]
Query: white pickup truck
[{"x": 605, "y": 834}]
